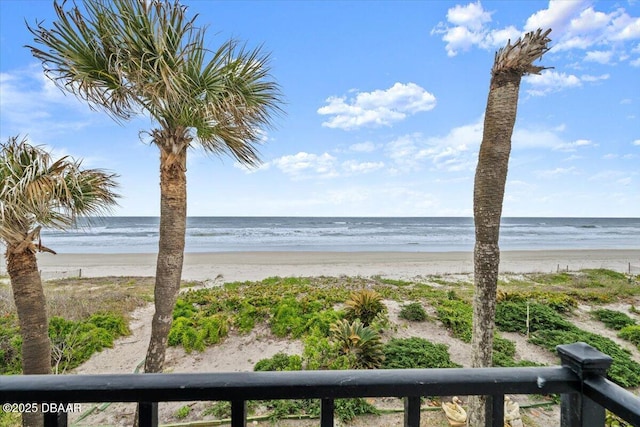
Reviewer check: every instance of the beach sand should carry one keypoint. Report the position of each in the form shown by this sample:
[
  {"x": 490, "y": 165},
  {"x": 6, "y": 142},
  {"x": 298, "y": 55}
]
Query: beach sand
[{"x": 241, "y": 266}]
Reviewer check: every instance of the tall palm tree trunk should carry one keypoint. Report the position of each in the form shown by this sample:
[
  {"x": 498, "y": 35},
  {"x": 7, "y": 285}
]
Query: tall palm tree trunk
[
  {"x": 173, "y": 218},
  {"x": 490, "y": 179},
  {"x": 28, "y": 295},
  {"x": 511, "y": 63}
]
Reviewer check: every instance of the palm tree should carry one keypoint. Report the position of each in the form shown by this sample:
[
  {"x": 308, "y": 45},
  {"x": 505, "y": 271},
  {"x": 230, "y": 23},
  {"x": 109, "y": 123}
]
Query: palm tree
[
  {"x": 510, "y": 64},
  {"x": 130, "y": 57},
  {"x": 37, "y": 192}
]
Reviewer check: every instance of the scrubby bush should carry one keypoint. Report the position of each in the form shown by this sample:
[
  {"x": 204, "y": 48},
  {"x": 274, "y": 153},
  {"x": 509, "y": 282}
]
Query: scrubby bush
[
  {"x": 560, "y": 302},
  {"x": 74, "y": 342},
  {"x": 456, "y": 315},
  {"x": 10, "y": 345},
  {"x": 364, "y": 305},
  {"x": 406, "y": 353},
  {"x": 631, "y": 333},
  {"x": 624, "y": 371},
  {"x": 413, "y": 312},
  {"x": 511, "y": 316},
  {"x": 279, "y": 362},
  {"x": 613, "y": 319}
]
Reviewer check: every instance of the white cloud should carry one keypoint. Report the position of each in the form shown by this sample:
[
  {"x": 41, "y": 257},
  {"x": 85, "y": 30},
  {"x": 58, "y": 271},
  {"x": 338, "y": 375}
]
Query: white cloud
[
  {"x": 467, "y": 27},
  {"x": 355, "y": 167},
  {"x": 550, "y": 81},
  {"x": 552, "y": 173},
  {"x": 380, "y": 107},
  {"x": 636, "y": 142},
  {"x": 575, "y": 23},
  {"x": 363, "y": 147},
  {"x": 589, "y": 78},
  {"x": 304, "y": 165},
  {"x": 452, "y": 152},
  {"x": 556, "y": 16},
  {"x": 573, "y": 146},
  {"x": 472, "y": 16},
  {"x": 599, "y": 56}
]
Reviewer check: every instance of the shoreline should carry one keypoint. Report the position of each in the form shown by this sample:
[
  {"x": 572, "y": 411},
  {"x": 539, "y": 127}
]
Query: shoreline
[{"x": 242, "y": 266}]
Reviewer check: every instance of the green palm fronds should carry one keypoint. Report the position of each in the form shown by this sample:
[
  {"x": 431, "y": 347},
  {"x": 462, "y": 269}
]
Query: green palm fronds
[
  {"x": 364, "y": 305},
  {"x": 130, "y": 56},
  {"x": 360, "y": 341},
  {"x": 39, "y": 192}
]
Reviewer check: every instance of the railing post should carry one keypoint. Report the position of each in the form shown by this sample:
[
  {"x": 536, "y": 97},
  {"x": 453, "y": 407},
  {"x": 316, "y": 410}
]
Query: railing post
[
  {"x": 148, "y": 414},
  {"x": 412, "y": 411},
  {"x": 497, "y": 403},
  {"x": 577, "y": 410},
  {"x": 55, "y": 419},
  {"x": 238, "y": 413},
  {"x": 327, "y": 407}
]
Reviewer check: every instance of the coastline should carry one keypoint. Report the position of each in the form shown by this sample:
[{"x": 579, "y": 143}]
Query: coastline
[{"x": 241, "y": 266}]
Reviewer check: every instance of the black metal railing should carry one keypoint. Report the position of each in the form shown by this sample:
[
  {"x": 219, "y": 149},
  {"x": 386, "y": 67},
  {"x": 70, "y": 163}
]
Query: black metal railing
[{"x": 586, "y": 393}]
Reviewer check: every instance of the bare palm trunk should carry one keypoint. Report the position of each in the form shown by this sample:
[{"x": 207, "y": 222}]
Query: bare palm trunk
[
  {"x": 29, "y": 298},
  {"x": 511, "y": 63},
  {"x": 173, "y": 218}
]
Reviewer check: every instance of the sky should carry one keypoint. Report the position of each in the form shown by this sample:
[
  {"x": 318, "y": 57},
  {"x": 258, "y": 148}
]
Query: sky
[{"x": 383, "y": 111}]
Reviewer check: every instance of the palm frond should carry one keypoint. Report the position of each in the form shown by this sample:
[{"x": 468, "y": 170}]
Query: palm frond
[
  {"x": 518, "y": 58},
  {"x": 37, "y": 192}
]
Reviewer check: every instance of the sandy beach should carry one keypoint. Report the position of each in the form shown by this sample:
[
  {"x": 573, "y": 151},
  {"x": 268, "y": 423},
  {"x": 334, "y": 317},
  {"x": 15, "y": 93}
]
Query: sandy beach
[{"x": 241, "y": 266}]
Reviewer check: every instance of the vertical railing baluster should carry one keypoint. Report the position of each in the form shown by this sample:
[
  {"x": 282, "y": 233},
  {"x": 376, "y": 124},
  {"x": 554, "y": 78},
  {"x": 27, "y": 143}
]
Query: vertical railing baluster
[
  {"x": 497, "y": 402},
  {"x": 55, "y": 419},
  {"x": 327, "y": 406},
  {"x": 412, "y": 411},
  {"x": 238, "y": 413},
  {"x": 148, "y": 414}
]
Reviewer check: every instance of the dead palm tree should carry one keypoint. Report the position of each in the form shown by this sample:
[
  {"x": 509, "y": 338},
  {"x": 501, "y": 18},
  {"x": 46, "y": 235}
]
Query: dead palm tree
[
  {"x": 130, "y": 57},
  {"x": 37, "y": 192},
  {"x": 510, "y": 64}
]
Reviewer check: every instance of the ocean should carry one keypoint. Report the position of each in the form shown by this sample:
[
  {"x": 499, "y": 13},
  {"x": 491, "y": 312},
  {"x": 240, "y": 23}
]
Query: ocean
[{"x": 221, "y": 234}]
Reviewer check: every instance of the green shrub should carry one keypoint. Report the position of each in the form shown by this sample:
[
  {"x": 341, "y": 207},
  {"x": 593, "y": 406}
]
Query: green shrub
[
  {"x": 288, "y": 318},
  {"x": 511, "y": 316},
  {"x": 360, "y": 341},
  {"x": 74, "y": 342},
  {"x": 560, "y": 302},
  {"x": 407, "y": 353},
  {"x": 613, "y": 319},
  {"x": 364, "y": 305},
  {"x": 279, "y": 362},
  {"x": 456, "y": 315},
  {"x": 631, "y": 333},
  {"x": 413, "y": 312},
  {"x": 347, "y": 409},
  {"x": 10, "y": 346},
  {"x": 113, "y": 323},
  {"x": 183, "y": 412},
  {"x": 320, "y": 353},
  {"x": 624, "y": 371}
]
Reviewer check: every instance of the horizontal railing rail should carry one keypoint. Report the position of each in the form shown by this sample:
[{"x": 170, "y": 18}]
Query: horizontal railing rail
[{"x": 585, "y": 392}]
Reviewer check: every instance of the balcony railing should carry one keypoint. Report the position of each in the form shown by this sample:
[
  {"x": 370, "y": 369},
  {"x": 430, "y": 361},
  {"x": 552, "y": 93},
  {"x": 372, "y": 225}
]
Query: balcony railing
[{"x": 585, "y": 392}]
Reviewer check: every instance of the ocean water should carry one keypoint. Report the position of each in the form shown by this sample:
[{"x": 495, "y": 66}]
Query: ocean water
[{"x": 219, "y": 234}]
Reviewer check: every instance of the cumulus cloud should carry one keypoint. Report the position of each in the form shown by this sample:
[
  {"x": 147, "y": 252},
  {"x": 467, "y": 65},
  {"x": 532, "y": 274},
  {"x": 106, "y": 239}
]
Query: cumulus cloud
[
  {"x": 377, "y": 108},
  {"x": 574, "y": 146},
  {"x": 599, "y": 56},
  {"x": 550, "y": 81},
  {"x": 303, "y": 165},
  {"x": 356, "y": 167},
  {"x": 466, "y": 27},
  {"x": 363, "y": 147},
  {"x": 575, "y": 23},
  {"x": 636, "y": 142}
]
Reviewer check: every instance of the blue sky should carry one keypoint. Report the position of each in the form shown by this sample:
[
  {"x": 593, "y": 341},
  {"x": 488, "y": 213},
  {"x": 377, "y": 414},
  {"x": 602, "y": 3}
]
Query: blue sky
[{"x": 384, "y": 110}]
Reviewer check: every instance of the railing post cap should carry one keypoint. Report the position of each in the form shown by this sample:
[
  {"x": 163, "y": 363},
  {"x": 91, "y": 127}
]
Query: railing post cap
[{"x": 583, "y": 359}]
